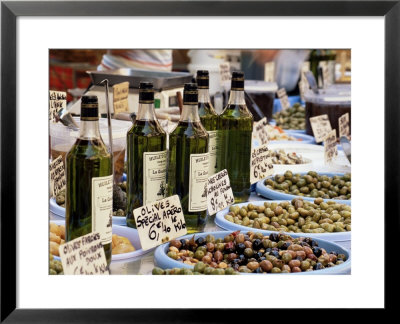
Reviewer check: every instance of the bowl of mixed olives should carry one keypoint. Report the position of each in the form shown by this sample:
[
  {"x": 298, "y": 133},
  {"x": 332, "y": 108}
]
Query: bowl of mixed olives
[
  {"x": 318, "y": 219},
  {"x": 308, "y": 185},
  {"x": 251, "y": 253}
]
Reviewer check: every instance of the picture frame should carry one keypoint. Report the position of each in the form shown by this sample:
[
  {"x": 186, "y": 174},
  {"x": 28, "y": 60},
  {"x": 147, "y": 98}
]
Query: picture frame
[{"x": 11, "y": 10}]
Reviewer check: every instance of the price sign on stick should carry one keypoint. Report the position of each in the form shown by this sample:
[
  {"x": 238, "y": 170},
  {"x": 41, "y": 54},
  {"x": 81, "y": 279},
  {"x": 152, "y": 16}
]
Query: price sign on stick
[
  {"x": 160, "y": 222},
  {"x": 219, "y": 192},
  {"x": 57, "y": 176},
  {"x": 260, "y": 129},
  {"x": 57, "y": 101},
  {"x": 225, "y": 72},
  {"x": 260, "y": 163},
  {"x": 283, "y": 98},
  {"x": 344, "y": 126},
  {"x": 120, "y": 97},
  {"x": 321, "y": 127},
  {"x": 303, "y": 87},
  {"x": 269, "y": 72},
  {"x": 330, "y": 146},
  {"x": 84, "y": 256}
]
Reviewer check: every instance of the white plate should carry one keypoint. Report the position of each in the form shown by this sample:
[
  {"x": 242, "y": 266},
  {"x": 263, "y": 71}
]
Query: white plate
[
  {"x": 130, "y": 233},
  {"x": 295, "y": 168},
  {"x": 60, "y": 211}
]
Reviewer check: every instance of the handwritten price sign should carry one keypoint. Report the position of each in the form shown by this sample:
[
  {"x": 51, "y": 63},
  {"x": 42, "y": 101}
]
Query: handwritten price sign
[
  {"x": 219, "y": 192},
  {"x": 57, "y": 176},
  {"x": 344, "y": 125},
  {"x": 160, "y": 222},
  {"x": 260, "y": 129},
  {"x": 260, "y": 164},
  {"x": 283, "y": 98},
  {"x": 330, "y": 146},
  {"x": 120, "y": 97},
  {"x": 321, "y": 127},
  {"x": 57, "y": 101}
]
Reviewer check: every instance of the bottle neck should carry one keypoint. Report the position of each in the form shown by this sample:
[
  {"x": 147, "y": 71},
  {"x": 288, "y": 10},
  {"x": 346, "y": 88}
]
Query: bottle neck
[
  {"x": 146, "y": 112},
  {"x": 89, "y": 129},
  {"x": 236, "y": 98},
  {"x": 190, "y": 113},
  {"x": 204, "y": 95}
]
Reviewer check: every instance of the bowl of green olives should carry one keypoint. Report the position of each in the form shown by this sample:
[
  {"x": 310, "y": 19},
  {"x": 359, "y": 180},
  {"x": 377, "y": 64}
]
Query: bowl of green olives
[
  {"x": 318, "y": 219},
  {"x": 308, "y": 185},
  {"x": 252, "y": 253}
]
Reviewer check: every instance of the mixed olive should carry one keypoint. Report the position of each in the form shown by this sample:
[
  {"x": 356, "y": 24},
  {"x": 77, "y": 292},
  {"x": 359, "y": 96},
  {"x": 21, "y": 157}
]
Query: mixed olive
[
  {"x": 297, "y": 216},
  {"x": 281, "y": 157},
  {"x": 312, "y": 184},
  {"x": 55, "y": 266},
  {"x": 252, "y": 253},
  {"x": 200, "y": 268},
  {"x": 292, "y": 118}
]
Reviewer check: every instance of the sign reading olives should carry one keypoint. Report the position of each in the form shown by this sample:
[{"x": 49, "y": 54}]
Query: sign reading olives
[
  {"x": 84, "y": 256},
  {"x": 321, "y": 127},
  {"x": 260, "y": 163},
  {"x": 219, "y": 192},
  {"x": 57, "y": 101},
  {"x": 159, "y": 222},
  {"x": 57, "y": 176},
  {"x": 330, "y": 145}
]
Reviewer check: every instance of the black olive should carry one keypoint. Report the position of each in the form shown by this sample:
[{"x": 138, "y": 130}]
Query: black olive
[
  {"x": 334, "y": 253},
  {"x": 257, "y": 244},
  {"x": 262, "y": 258},
  {"x": 258, "y": 270},
  {"x": 236, "y": 266},
  {"x": 285, "y": 245},
  {"x": 274, "y": 237},
  {"x": 236, "y": 261},
  {"x": 313, "y": 243},
  {"x": 268, "y": 250},
  {"x": 201, "y": 241},
  {"x": 317, "y": 251},
  {"x": 304, "y": 244},
  {"x": 308, "y": 240},
  {"x": 274, "y": 253},
  {"x": 240, "y": 248},
  {"x": 229, "y": 250},
  {"x": 318, "y": 266},
  {"x": 184, "y": 244},
  {"x": 242, "y": 258}
]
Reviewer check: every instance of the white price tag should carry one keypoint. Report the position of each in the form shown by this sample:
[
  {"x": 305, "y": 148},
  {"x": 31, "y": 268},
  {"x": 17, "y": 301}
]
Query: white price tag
[
  {"x": 330, "y": 147},
  {"x": 260, "y": 129},
  {"x": 344, "y": 125},
  {"x": 321, "y": 127},
  {"x": 84, "y": 256},
  {"x": 57, "y": 176},
  {"x": 120, "y": 97},
  {"x": 260, "y": 164},
  {"x": 160, "y": 222},
  {"x": 269, "y": 72},
  {"x": 57, "y": 101},
  {"x": 283, "y": 98},
  {"x": 219, "y": 192}
]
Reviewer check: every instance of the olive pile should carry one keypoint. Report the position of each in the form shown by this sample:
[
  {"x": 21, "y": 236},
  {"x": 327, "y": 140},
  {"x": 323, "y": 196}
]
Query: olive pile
[
  {"x": 312, "y": 185},
  {"x": 200, "y": 268},
  {"x": 253, "y": 252},
  {"x": 297, "y": 216},
  {"x": 292, "y": 118},
  {"x": 55, "y": 266},
  {"x": 60, "y": 198},
  {"x": 280, "y": 157}
]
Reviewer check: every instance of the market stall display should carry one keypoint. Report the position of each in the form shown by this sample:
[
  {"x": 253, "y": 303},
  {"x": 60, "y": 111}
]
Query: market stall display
[
  {"x": 254, "y": 252},
  {"x": 292, "y": 118}
]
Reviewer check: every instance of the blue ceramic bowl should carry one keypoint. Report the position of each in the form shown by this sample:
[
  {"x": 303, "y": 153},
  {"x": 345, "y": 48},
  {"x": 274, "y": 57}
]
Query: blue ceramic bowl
[
  {"x": 262, "y": 190},
  {"x": 162, "y": 260}
]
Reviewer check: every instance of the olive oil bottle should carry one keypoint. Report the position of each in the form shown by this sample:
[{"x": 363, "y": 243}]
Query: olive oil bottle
[
  {"x": 147, "y": 156},
  {"x": 208, "y": 117},
  {"x": 89, "y": 190},
  {"x": 188, "y": 162},
  {"x": 235, "y": 125}
]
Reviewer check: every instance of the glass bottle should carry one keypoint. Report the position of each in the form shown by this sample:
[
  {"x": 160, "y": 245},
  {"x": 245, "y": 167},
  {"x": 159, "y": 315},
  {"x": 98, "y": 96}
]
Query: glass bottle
[
  {"x": 89, "y": 190},
  {"x": 147, "y": 156},
  {"x": 208, "y": 117},
  {"x": 188, "y": 162},
  {"x": 235, "y": 126}
]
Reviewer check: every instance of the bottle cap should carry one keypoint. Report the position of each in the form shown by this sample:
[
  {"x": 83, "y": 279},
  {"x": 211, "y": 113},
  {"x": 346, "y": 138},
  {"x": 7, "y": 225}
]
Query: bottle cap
[
  {"x": 237, "y": 82},
  {"x": 203, "y": 79},
  {"x": 190, "y": 94},
  {"x": 89, "y": 108},
  {"x": 146, "y": 93}
]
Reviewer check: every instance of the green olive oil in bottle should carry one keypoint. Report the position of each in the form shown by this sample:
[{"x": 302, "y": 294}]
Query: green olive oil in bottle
[
  {"x": 89, "y": 190},
  {"x": 235, "y": 126},
  {"x": 147, "y": 156},
  {"x": 208, "y": 117},
  {"x": 188, "y": 165}
]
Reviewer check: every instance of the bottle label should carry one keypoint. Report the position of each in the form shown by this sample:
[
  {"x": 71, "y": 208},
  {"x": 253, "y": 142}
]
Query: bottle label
[
  {"x": 154, "y": 176},
  {"x": 212, "y": 150},
  {"x": 199, "y": 166},
  {"x": 102, "y": 205}
]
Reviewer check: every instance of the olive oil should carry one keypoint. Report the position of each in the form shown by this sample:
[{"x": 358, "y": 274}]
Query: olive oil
[
  {"x": 235, "y": 125},
  {"x": 188, "y": 165},
  {"x": 147, "y": 156},
  {"x": 89, "y": 178},
  {"x": 208, "y": 117}
]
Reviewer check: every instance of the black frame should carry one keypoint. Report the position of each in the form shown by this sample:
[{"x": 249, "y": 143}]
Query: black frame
[{"x": 10, "y": 10}]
